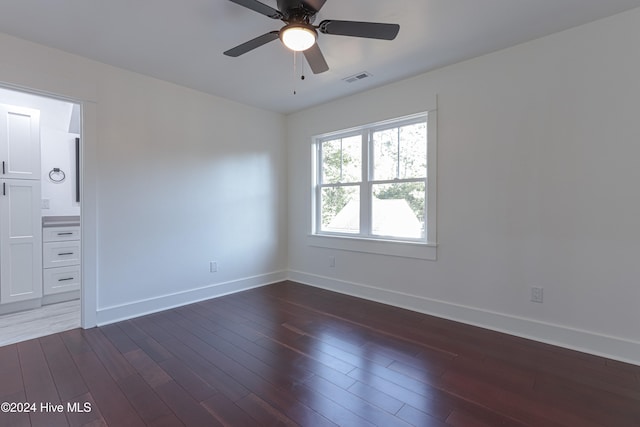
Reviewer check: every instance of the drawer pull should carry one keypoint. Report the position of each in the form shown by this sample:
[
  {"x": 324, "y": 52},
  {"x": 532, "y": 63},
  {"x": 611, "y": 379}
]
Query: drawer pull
[
  {"x": 65, "y": 234},
  {"x": 64, "y": 280},
  {"x": 65, "y": 253}
]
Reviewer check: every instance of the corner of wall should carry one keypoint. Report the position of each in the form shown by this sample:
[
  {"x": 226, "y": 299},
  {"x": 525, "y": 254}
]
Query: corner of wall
[{"x": 138, "y": 308}]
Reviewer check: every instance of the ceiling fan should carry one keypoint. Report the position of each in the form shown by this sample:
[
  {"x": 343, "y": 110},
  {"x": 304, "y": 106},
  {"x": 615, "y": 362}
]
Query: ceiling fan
[{"x": 299, "y": 33}]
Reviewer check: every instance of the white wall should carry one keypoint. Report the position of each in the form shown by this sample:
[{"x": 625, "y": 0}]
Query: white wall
[
  {"x": 538, "y": 186},
  {"x": 173, "y": 179},
  {"x": 185, "y": 179},
  {"x": 58, "y": 151}
]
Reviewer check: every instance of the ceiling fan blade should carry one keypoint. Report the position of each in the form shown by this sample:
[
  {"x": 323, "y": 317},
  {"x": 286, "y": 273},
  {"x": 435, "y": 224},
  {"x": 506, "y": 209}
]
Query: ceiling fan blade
[
  {"x": 252, "y": 44},
  {"x": 370, "y": 30},
  {"x": 259, "y": 7},
  {"x": 316, "y": 59}
]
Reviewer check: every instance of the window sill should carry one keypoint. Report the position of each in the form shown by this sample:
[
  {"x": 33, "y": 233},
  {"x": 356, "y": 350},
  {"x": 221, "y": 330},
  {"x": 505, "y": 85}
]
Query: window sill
[{"x": 426, "y": 251}]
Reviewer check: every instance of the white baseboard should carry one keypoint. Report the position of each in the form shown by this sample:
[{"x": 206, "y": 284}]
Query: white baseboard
[
  {"x": 133, "y": 309},
  {"x": 585, "y": 341}
]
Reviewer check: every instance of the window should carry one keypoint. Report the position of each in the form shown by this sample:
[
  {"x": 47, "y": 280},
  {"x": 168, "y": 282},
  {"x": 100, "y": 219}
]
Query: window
[{"x": 377, "y": 182}]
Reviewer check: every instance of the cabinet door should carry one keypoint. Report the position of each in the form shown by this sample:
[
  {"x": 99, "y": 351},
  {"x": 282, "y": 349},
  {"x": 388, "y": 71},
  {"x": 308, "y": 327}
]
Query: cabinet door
[
  {"x": 20, "y": 240},
  {"x": 19, "y": 142}
]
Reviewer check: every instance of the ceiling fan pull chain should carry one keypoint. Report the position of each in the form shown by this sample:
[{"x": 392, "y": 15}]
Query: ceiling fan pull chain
[{"x": 294, "y": 71}]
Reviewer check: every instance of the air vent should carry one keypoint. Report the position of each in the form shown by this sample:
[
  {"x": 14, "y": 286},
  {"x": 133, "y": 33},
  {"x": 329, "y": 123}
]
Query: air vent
[{"x": 356, "y": 77}]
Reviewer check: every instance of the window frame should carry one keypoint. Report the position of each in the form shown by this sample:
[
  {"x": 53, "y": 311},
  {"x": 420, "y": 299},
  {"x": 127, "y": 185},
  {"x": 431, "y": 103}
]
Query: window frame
[{"x": 365, "y": 240}]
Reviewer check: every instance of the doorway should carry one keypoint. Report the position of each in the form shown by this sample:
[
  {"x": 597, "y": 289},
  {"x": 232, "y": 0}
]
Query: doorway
[{"x": 54, "y": 304}]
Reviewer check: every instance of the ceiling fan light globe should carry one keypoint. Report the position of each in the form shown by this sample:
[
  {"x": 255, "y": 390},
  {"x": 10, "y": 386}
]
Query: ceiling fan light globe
[{"x": 298, "y": 38}]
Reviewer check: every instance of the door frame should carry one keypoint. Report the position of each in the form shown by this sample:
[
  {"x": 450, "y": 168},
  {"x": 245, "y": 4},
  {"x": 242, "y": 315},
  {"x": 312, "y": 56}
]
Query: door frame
[{"x": 88, "y": 198}]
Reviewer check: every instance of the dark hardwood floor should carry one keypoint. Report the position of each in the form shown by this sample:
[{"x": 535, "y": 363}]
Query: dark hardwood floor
[{"x": 288, "y": 355}]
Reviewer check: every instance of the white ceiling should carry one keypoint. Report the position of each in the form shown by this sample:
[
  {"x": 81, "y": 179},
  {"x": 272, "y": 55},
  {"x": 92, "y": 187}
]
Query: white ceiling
[{"x": 182, "y": 41}]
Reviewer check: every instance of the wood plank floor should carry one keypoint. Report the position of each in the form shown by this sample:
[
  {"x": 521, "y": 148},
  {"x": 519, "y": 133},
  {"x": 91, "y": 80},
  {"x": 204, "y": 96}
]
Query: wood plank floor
[
  {"x": 292, "y": 355},
  {"x": 38, "y": 322}
]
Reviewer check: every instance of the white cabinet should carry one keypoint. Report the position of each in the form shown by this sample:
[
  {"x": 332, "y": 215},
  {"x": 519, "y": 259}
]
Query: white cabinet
[
  {"x": 61, "y": 259},
  {"x": 60, "y": 254},
  {"x": 20, "y": 230},
  {"x": 19, "y": 142},
  {"x": 61, "y": 279},
  {"x": 60, "y": 233},
  {"x": 20, "y": 240}
]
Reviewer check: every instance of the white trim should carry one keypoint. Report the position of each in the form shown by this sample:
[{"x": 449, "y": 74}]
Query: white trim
[
  {"x": 142, "y": 307},
  {"x": 403, "y": 249},
  {"x": 611, "y": 347},
  {"x": 89, "y": 213},
  {"x": 432, "y": 179}
]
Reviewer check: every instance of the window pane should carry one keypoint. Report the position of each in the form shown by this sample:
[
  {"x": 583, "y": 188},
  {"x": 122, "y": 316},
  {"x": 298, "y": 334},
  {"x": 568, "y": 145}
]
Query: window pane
[
  {"x": 385, "y": 154},
  {"x": 397, "y": 210},
  {"x": 400, "y": 152},
  {"x": 413, "y": 151},
  {"x": 342, "y": 160},
  {"x": 341, "y": 209}
]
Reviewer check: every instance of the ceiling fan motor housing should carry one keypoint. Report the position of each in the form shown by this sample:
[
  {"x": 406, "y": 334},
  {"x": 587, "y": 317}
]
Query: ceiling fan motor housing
[{"x": 296, "y": 11}]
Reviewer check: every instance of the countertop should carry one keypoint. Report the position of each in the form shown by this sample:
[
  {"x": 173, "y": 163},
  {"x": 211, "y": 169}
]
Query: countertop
[{"x": 60, "y": 221}]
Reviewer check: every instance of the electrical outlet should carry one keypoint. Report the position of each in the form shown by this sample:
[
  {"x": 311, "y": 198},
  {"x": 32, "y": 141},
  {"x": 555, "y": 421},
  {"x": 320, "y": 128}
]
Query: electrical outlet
[
  {"x": 536, "y": 294},
  {"x": 213, "y": 266},
  {"x": 332, "y": 262},
  {"x": 45, "y": 204}
]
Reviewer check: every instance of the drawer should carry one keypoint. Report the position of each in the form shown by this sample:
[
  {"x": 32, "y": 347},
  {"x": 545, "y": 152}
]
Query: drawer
[
  {"x": 59, "y": 254},
  {"x": 58, "y": 234},
  {"x": 61, "y": 279}
]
